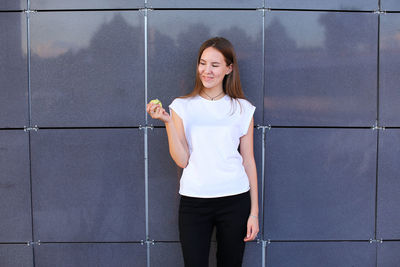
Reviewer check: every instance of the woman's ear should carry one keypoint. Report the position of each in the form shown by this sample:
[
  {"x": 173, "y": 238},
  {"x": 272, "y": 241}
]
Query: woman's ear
[{"x": 230, "y": 68}]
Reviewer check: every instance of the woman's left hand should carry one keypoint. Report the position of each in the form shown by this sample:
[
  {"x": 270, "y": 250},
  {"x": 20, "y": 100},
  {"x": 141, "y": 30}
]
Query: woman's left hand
[{"x": 252, "y": 228}]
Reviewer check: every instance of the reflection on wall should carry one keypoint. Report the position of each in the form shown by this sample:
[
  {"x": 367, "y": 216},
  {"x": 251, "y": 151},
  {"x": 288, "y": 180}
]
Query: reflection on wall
[
  {"x": 325, "y": 4},
  {"x": 333, "y": 83},
  {"x": 12, "y": 4},
  {"x": 93, "y": 85},
  {"x": 93, "y": 174},
  {"x": 389, "y": 70},
  {"x": 13, "y": 71},
  {"x": 173, "y": 54}
]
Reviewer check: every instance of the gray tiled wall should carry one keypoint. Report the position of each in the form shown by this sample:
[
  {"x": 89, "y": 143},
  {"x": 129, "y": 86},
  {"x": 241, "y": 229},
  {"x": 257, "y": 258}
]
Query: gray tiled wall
[{"x": 86, "y": 178}]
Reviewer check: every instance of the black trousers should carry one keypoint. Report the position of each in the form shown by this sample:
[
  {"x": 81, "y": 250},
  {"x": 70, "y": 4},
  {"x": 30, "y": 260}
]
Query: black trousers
[{"x": 197, "y": 218}]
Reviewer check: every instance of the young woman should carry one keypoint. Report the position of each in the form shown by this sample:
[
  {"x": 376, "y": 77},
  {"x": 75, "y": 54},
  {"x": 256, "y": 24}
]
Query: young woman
[{"x": 218, "y": 186}]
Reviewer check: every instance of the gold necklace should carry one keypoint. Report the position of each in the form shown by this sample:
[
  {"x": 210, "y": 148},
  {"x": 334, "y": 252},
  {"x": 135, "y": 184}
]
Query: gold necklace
[{"x": 212, "y": 98}]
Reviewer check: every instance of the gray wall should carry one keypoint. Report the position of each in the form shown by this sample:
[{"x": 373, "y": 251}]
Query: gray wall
[{"x": 86, "y": 178}]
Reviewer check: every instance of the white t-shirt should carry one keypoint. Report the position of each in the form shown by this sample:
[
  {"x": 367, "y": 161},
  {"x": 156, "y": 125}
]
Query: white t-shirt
[{"x": 212, "y": 130}]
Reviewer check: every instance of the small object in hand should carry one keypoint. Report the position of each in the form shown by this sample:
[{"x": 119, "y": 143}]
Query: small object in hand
[{"x": 156, "y": 101}]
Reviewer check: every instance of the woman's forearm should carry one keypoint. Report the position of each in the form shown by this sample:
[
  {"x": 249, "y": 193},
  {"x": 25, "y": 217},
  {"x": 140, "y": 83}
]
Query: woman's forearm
[
  {"x": 178, "y": 148},
  {"x": 251, "y": 171}
]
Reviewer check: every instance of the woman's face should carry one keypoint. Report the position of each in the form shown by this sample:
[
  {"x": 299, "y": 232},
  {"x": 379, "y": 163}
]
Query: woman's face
[{"x": 212, "y": 68}]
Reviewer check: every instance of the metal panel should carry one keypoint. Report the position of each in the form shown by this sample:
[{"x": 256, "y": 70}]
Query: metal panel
[
  {"x": 324, "y": 4},
  {"x": 164, "y": 176},
  {"x": 16, "y": 255},
  {"x": 390, "y": 5},
  {"x": 87, "y": 4},
  {"x": 176, "y": 36},
  {"x": 389, "y": 89},
  {"x": 87, "y": 69},
  {"x": 388, "y": 185},
  {"x": 166, "y": 255},
  {"x": 88, "y": 185},
  {"x": 252, "y": 255},
  {"x": 12, "y": 5},
  {"x": 388, "y": 254},
  {"x": 258, "y": 135},
  {"x": 320, "y": 184},
  {"x": 322, "y": 71},
  {"x": 317, "y": 254},
  {"x": 15, "y": 208},
  {"x": 90, "y": 255},
  {"x": 13, "y": 70},
  {"x": 212, "y": 260},
  {"x": 205, "y": 4},
  {"x": 170, "y": 255}
]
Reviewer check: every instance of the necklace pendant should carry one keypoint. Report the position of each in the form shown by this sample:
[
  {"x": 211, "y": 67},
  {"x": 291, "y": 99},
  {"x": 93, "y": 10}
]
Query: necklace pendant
[{"x": 213, "y": 98}]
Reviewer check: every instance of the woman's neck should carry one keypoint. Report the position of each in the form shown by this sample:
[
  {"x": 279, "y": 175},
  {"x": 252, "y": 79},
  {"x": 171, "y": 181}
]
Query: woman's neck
[{"x": 212, "y": 93}]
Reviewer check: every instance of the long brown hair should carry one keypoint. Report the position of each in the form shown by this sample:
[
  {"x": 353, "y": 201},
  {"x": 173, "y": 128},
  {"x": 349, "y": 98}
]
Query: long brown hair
[{"x": 231, "y": 83}]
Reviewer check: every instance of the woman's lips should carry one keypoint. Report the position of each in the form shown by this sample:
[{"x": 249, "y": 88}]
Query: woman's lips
[{"x": 207, "y": 78}]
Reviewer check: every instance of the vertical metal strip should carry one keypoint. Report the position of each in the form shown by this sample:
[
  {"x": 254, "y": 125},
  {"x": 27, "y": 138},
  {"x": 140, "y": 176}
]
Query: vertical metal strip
[
  {"x": 378, "y": 127},
  {"x": 28, "y": 51},
  {"x": 263, "y": 58},
  {"x": 264, "y": 247},
  {"x": 145, "y": 61},
  {"x": 146, "y": 152},
  {"x": 378, "y": 67},
  {"x": 28, "y": 54},
  {"x": 263, "y": 129},
  {"x": 263, "y": 144},
  {"x": 376, "y": 183},
  {"x": 146, "y": 177},
  {"x": 376, "y": 197},
  {"x": 264, "y": 243}
]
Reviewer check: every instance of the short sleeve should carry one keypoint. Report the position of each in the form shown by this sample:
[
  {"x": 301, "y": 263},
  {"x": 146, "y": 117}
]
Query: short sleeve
[
  {"x": 177, "y": 106},
  {"x": 247, "y": 116}
]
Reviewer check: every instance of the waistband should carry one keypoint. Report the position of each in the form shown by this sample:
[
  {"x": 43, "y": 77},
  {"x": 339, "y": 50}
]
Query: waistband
[{"x": 237, "y": 196}]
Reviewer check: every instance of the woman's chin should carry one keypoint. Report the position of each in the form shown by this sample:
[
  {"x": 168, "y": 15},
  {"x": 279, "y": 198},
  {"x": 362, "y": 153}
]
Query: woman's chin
[{"x": 208, "y": 85}]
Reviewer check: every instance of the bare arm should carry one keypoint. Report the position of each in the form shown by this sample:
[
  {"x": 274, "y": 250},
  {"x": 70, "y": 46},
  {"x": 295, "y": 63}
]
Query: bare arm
[
  {"x": 247, "y": 152},
  {"x": 178, "y": 147}
]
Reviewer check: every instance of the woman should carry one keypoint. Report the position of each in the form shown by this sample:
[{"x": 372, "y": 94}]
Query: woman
[{"x": 218, "y": 186}]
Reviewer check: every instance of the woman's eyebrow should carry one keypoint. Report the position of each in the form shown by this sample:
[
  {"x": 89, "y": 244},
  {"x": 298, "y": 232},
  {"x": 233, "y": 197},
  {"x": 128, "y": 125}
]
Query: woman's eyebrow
[{"x": 215, "y": 62}]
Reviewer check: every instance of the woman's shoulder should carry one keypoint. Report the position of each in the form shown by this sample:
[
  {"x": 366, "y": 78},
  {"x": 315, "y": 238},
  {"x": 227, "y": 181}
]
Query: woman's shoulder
[
  {"x": 183, "y": 99},
  {"x": 245, "y": 102}
]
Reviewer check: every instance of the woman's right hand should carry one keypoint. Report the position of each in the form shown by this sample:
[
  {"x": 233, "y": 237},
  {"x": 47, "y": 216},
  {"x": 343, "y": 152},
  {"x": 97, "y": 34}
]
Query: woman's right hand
[{"x": 158, "y": 113}]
